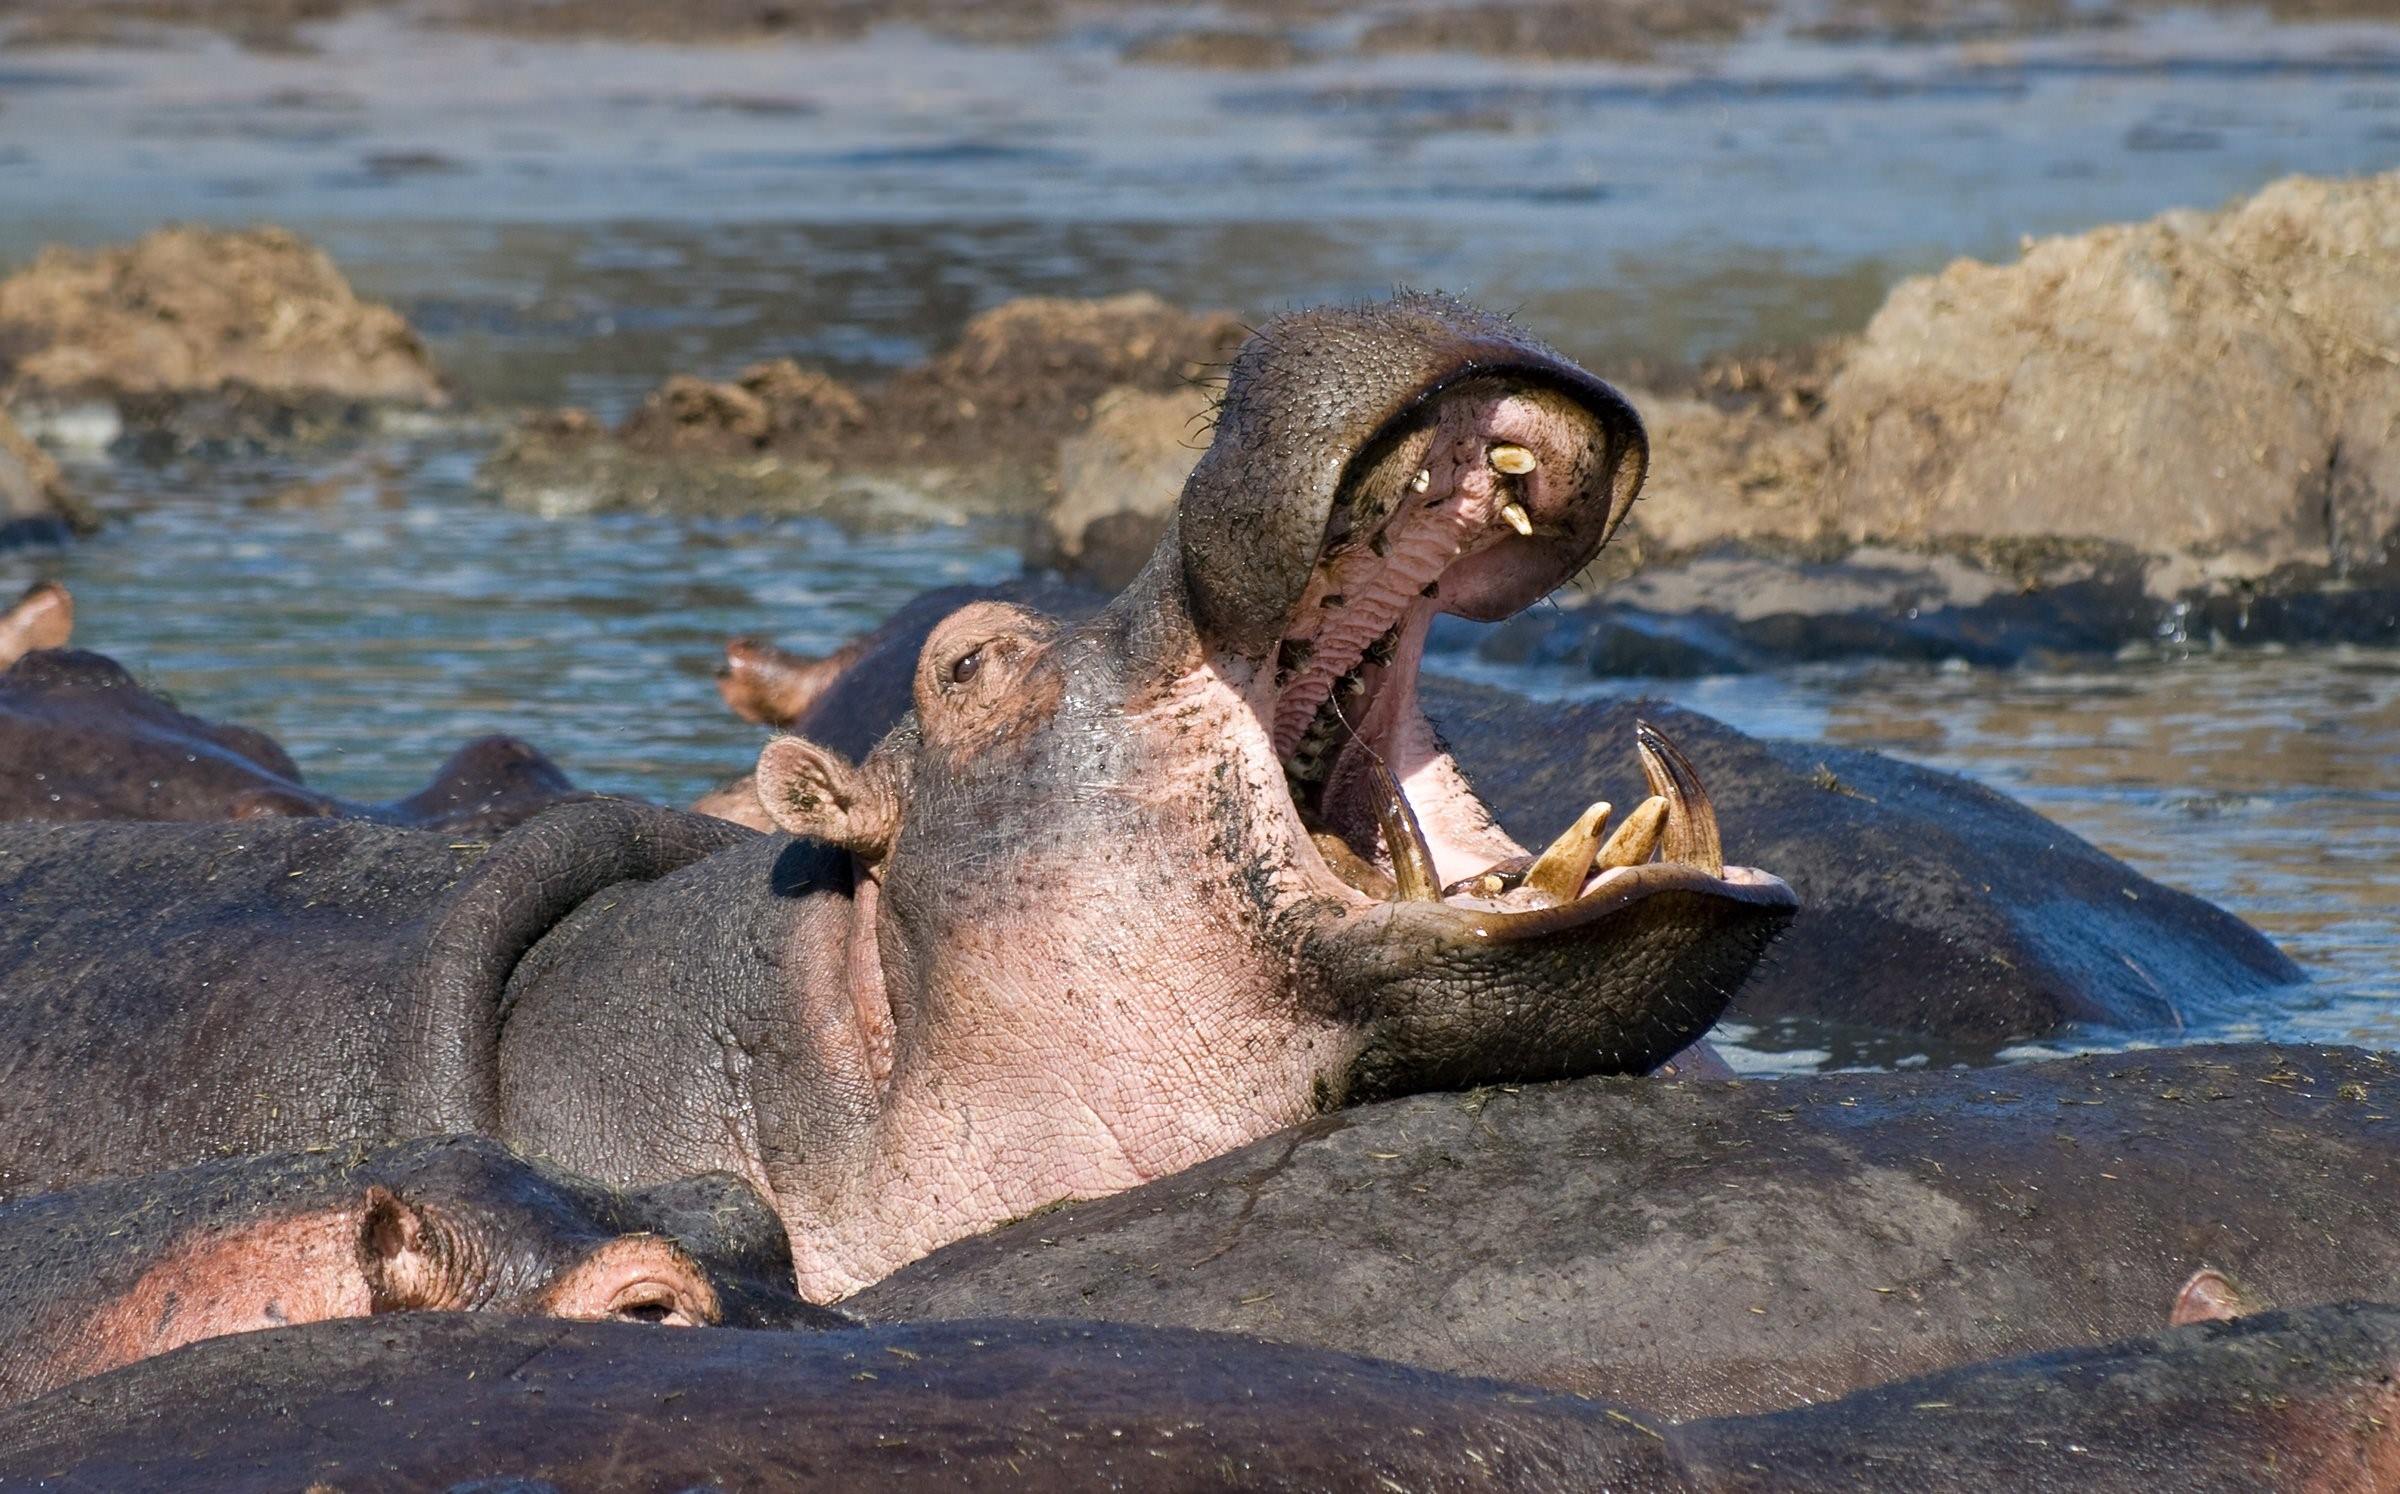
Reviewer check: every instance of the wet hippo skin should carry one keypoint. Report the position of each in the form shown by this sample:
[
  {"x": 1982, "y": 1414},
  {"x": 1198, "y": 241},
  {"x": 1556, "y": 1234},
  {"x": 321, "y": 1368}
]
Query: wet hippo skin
[
  {"x": 1711, "y": 1248},
  {"x": 1113, "y": 896},
  {"x": 2284, "y": 1400}
]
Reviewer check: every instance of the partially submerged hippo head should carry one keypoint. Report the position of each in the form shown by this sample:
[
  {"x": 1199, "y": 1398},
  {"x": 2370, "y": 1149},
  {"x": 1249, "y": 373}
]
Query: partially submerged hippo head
[
  {"x": 135, "y": 1267},
  {"x": 1198, "y": 865},
  {"x": 90, "y": 743},
  {"x": 470, "y": 1227}
]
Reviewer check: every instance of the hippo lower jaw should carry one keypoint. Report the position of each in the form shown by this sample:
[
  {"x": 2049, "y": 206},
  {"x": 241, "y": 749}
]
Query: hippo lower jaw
[{"x": 1468, "y": 960}]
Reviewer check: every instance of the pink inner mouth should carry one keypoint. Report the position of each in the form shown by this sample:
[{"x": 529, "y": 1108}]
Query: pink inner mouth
[
  {"x": 1488, "y": 493},
  {"x": 1345, "y": 675}
]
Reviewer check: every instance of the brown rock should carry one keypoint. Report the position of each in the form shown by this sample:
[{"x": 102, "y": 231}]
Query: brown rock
[
  {"x": 975, "y": 429},
  {"x": 1119, "y": 477},
  {"x": 768, "y": 406},
  {"x": 1620, "y": 30},
  {"x": 2222, "y": 385},
  {"x": 199, "y": 312},
  {"x": 1027, "y": 373}
]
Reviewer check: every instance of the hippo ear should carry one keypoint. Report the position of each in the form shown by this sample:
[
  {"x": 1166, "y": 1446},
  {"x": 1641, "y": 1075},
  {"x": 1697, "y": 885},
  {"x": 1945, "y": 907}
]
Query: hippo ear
[
  {"x": 635, "y": 1279},
  {"x": 395, "y": 1254},
  {"x": 2211, "y": 1296},
  {"x": 815, "y": 793}
]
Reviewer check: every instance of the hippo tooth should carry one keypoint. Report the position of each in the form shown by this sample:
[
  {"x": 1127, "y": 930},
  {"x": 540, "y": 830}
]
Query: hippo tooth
[
  {"x": 1692, "y": 821},
  {"x": 1412, "y": 859},
  {"x": 1422, "y": 481},
  {"x": 1637, "y": 837},
  {"x": 1518, "y": 519},
  {"x": 1559, "y": 872},
  {"x": 1516, "y": 461}
]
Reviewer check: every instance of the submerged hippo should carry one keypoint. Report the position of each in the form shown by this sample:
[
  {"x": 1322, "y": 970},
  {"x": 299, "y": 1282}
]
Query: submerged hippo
[
  {"x": 2292, "y": 1400},
  {"x": 83, "y": 741},
  {"x": 1113, "y": 898},
  {"x": 1710, "y": 1249},
  {"x": 109, "y": 1273}
]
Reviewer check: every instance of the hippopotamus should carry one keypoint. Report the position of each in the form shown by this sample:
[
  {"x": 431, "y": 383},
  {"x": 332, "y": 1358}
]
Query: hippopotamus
[
  {"x": 1112, "y": 898},
  {"x": 1936, "y": 915},
  {"x": 85, "y": 742},
  {"x": 1730, "y": 1248},
  {"x": 2286, "y": 1400},
  {"x": 112, "y": 1272}
]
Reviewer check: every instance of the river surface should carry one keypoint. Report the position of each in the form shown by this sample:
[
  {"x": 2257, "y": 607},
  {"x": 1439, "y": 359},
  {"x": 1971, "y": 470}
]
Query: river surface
[{"x": 572, "y": 222}]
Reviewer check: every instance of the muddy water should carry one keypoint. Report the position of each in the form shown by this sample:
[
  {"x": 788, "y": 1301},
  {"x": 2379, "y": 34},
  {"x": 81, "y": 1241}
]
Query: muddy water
[{"x": 570, "y": 222}]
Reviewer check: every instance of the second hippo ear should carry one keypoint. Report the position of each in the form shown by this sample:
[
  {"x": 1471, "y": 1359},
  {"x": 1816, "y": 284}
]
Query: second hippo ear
[
  {"x": 819, "y": 795},
  {"x": 2211, "y": 1296},
  {"x": 396, "y": 1254}
]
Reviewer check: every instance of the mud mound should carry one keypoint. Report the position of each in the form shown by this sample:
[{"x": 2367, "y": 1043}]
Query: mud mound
[
  {"x": 975, "y": 429},
  {"x": 687, "y": 21},
  {"x": 2222, "y": 385},
  {"x": 1027, "y": 373},
  {"x": 1622, "y": 30},
  {"x": 777, "y": 406},
  {"x": 249, "y": 319}
]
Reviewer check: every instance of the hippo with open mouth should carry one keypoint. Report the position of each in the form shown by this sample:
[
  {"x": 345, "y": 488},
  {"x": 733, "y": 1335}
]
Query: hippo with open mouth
[{"x": 1113, "y": 898}]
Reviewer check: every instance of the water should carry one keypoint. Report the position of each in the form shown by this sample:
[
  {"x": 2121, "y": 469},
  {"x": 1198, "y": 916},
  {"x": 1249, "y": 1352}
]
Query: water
[{"x": 568, "y": 223}]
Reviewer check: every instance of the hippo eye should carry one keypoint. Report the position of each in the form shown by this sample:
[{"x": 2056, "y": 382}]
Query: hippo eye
[
  {"x": 651, "y": 1302},
  {"x": 968, "y": 663}
]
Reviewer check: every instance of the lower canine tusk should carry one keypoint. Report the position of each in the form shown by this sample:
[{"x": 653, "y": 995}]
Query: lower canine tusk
[
  {"x": 1518, "y": 519},
  {"x": 1560, "y": 872},
  {"x": 1412, "y": 859},
  {"x": 1637, "y": 837}
]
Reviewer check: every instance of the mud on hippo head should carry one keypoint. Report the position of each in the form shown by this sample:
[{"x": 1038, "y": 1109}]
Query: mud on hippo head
[{"x": 1203, "y": 855}]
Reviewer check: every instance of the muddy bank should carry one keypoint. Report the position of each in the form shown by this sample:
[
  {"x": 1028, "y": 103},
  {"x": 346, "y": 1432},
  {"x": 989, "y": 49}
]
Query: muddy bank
[
  {"x": 2185, "y": 430},
  {"x": 197, "y": 337},
  {"x": 974, "y": 429}
]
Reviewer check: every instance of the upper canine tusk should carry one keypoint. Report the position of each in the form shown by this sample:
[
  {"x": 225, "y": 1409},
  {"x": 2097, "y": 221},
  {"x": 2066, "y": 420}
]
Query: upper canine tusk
[
  {"x": 1692, "y": 836},
  {"x": 1560, "y": 871},
  {"x": 1516, "y": 461}
]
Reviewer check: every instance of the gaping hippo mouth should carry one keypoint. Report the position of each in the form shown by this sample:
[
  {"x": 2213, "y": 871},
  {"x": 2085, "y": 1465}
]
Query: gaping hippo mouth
[
  {"x": 1485, "y": 500},
  {"x": 1466, "y": 958}
]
